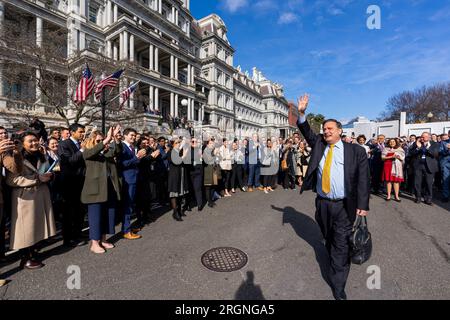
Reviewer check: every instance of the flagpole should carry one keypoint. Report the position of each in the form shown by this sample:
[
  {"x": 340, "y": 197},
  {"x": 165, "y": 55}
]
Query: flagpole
[{"x": 103, "y": 103}]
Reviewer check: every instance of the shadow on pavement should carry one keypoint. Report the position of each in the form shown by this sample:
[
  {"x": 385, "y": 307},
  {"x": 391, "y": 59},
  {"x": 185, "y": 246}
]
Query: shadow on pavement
[
  {"x": 307, "y": 229},
  {"x": 248, "y": 290}
]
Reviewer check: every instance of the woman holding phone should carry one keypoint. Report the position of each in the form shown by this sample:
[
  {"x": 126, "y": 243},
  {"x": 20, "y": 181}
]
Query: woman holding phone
[{"x": 32, "y": 217}]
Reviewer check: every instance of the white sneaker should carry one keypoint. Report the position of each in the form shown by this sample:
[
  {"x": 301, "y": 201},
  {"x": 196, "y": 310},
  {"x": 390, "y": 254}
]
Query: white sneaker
[{"x": 265, "y": 191}]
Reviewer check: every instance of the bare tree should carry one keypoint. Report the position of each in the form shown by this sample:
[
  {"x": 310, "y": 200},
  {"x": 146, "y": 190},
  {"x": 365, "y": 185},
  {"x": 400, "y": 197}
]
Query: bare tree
[
  {"x": 41, "y": 77},
  {"x": 419, "y": 103}
]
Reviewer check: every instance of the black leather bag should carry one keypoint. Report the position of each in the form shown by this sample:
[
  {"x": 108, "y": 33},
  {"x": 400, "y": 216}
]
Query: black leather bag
[{"x": 361, "y": 241}]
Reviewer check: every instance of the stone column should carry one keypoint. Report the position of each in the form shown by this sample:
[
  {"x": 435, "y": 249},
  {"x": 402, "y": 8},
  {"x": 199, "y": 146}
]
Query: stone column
[
  {"x": 193, "y": 109},
  {"x": 125, "y": 45},
  {"x": 157, "y": 59},
  {"x": 188, "y": 80},
  {"x": 160, "y": 6},
  {"x": 83, "y": 8},
  {"x": 202, "y": 113},
  {"x": 176, "y": 68},
  {"x": 172, "y": 104},
  {"x": 151, "y": 57},
  {"x": 109, "y": 49},
  {"x": 115, "y": 51},
  {"x": 172, "y": 67},
  {"x": 189, "y": 111},
  {"x": 39, "y": 31},
  {"x": 109, "y": 13},
  {"x": 39, "y": 38},
  {"x": 176, "y": 105},
  {"x": 116, "y": 13},
  {"x": 156, "y": 101},
  {"x": 151, "y": 95},
  {"x": 192, "y": 75},
  {"x": 121, "y": 54},
  {"x": 173, "y": 14},
  {"x": 176, "y": 16},
  {"x": 132, "y": 47}
]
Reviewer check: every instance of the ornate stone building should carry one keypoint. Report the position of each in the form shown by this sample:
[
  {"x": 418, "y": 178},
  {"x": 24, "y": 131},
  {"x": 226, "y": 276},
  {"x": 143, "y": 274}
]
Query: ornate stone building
[{"x": 184, "y": 66}]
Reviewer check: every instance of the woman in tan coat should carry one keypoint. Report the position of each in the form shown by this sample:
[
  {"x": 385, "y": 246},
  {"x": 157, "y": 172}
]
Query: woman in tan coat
[{"x": 31, "y": 206}]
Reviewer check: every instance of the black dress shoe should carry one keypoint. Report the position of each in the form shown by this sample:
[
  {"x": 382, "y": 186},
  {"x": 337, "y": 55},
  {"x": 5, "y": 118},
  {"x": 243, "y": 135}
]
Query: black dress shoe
[
  {"x": 200, "y": 208},
  {"x": 339, "y": 295},
  {"x": 417, "y": 201},
  {"x": 31, "y": 264},
  {"x": 211, "y": 204},
  {"x": 428, "y": 202}
]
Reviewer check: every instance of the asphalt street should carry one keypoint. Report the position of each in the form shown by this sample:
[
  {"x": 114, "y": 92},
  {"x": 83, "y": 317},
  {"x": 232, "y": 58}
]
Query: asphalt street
[{"x": 285, "y": 255}]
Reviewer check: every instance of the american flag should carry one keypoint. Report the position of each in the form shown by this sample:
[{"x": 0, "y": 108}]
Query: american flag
[
  {"x": 85, "y": 87},
  {"x": 110, "y": 81},
  {"x": 127, "y": 93}
]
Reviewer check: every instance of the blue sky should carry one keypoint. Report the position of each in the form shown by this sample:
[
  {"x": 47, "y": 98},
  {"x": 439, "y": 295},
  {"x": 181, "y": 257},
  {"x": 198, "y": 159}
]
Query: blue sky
[{"x": 325, "y": 48}]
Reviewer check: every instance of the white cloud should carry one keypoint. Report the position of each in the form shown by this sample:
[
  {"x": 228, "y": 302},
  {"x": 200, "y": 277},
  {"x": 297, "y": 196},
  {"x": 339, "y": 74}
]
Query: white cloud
[
  {"x": 287, "y": 17},
  {"x": 265, "y": 5},
  {"x": 234, "y": 5},
  {"x": 335, "y": 11}
]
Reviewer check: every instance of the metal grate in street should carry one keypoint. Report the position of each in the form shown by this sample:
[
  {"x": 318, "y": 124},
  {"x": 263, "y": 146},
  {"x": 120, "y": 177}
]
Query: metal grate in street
[{"x": 224, "y": 259}]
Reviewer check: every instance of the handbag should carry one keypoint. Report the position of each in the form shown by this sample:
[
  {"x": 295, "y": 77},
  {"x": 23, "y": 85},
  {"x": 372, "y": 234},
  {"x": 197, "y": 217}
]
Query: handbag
[
  {"x": 360, "y": 241},
  {"x": 284, "y": 165}
]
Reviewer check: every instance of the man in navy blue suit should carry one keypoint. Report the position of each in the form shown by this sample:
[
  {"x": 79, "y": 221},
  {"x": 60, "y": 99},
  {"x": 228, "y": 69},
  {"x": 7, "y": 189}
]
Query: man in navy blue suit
[{"x": 128, "y": 164}]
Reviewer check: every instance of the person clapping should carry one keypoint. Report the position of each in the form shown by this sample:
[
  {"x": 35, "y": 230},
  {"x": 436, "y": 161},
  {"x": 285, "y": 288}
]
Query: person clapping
[{"x": 101, "y": 188}]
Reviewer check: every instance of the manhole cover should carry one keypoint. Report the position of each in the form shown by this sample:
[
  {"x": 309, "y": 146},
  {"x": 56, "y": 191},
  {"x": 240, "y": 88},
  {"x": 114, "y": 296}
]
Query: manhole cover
[{"x": 224, "y": 259}]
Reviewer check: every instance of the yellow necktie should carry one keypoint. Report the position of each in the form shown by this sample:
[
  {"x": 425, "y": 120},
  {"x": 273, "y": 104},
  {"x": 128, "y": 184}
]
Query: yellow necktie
[{"x": 326, "y": 174}]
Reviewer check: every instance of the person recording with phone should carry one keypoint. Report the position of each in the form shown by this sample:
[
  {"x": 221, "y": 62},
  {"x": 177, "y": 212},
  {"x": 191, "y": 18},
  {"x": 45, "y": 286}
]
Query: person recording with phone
[{"x": 32, "y": 218}]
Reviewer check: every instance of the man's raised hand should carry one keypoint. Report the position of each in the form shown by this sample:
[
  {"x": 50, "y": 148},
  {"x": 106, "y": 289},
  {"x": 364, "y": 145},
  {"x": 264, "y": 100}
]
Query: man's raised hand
[{"x": 303, "y": 103}]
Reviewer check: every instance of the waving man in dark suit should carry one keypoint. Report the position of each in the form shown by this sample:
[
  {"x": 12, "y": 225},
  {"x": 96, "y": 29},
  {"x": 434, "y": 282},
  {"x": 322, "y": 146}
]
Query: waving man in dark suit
[{"x": 338, "y": 172}]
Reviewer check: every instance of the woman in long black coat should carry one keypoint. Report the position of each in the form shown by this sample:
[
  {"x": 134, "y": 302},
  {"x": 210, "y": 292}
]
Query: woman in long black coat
[{"x": 178, "y": 185}]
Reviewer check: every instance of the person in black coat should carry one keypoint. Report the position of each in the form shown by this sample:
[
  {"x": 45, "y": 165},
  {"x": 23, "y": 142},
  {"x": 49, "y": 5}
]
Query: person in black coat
[
  {"x": 145, "y": 188},
  {"x": 424, "y": 155},
  {"x": 338, "y": 172},
  {"x": 72, "y": 168},
  {"x": 178, "y": 184},
  {"x": 196, "y": 175}
]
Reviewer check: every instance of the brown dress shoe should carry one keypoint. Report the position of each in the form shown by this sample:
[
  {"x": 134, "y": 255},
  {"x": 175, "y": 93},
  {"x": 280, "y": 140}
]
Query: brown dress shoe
[
  {"x": 131, "y": 236},
  {"x": 250, "y": 189},
  {"x": 260, "y": 188}
]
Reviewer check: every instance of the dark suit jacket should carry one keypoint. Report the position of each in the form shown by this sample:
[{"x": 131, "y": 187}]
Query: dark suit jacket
[
  {"x": 356, "y": 171},
  {"x": 71, "y": 160},
  {"x": 431, "y": 157},
  {"x": 128, "y": 165}
]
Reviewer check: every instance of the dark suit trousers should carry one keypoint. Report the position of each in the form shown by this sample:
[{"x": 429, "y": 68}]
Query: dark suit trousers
[
  {"x": 74, "y": 211},
  {"x": 237, "y": 174},
  {"x": 336, "y": 228},
  {"x": 196, "y": 185},
  {"x": 129, "y": 196},
  {"x": 420, "y": 173}
]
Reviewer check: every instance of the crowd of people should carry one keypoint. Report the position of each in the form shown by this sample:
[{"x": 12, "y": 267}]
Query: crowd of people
[{"x": 60, "y": 176}]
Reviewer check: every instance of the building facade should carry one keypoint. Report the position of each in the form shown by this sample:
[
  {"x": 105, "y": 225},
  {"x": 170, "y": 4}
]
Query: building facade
[
  {"x": 184, "y": 66},
  {"x": 394, "y": 128}
]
